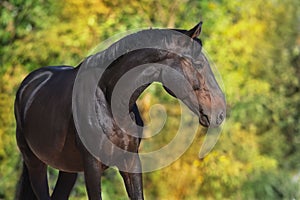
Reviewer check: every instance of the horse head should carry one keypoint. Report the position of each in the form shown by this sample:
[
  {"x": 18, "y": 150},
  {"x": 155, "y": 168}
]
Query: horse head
[{"x": 198, "y": 88}]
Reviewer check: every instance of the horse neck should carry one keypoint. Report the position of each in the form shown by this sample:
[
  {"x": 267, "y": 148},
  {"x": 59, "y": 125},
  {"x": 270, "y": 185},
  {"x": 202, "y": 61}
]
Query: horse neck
[{"x": 143, "y": 65}]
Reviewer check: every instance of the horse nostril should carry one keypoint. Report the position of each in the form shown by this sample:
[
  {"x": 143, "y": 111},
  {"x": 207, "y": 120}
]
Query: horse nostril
[{"x": 220, "y": 118}]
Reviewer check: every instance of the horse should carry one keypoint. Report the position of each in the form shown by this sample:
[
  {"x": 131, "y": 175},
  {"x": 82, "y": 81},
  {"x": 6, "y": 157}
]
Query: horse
[{"x": 47, "y": 135}]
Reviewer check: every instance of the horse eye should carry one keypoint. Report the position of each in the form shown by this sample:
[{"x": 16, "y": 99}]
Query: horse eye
[{"x": 196, "y": 87}]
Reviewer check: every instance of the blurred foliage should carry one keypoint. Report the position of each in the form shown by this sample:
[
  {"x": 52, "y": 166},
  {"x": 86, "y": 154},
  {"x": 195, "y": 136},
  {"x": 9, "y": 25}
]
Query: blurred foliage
[{"x": 254, "y": 44}]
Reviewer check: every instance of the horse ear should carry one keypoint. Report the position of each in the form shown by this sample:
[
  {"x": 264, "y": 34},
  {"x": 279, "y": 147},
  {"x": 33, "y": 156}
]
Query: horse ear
[{"x": 195, "y": 32}]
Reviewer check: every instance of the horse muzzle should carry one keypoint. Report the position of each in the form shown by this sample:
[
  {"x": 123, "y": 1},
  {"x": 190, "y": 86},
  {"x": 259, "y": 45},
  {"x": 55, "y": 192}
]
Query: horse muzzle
[{"x": 215, "y": 119}]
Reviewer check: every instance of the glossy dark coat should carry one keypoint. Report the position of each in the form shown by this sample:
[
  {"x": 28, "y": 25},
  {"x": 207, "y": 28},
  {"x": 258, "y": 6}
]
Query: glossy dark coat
[{"x": 46, "y": 134}]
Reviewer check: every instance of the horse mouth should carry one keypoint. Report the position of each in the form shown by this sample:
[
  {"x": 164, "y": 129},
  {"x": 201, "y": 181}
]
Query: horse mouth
[{"x": 203, "y": 120}]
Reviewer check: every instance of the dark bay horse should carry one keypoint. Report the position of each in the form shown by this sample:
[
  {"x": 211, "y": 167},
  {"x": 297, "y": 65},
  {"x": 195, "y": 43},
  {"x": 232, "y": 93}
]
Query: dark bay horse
[{"x": 47, "y": 135}]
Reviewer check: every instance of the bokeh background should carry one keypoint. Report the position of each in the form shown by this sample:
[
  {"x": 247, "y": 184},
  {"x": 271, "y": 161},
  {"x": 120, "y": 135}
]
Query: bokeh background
[{"x": 256, "y": 48}]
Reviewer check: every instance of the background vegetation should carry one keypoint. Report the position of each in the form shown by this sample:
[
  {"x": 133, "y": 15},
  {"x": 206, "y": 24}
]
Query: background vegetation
[{"x": 254, "y": 44}]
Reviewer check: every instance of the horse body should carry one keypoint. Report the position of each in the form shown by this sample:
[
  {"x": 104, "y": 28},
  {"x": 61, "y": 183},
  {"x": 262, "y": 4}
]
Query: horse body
[{"x": 46, "y": 133}]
